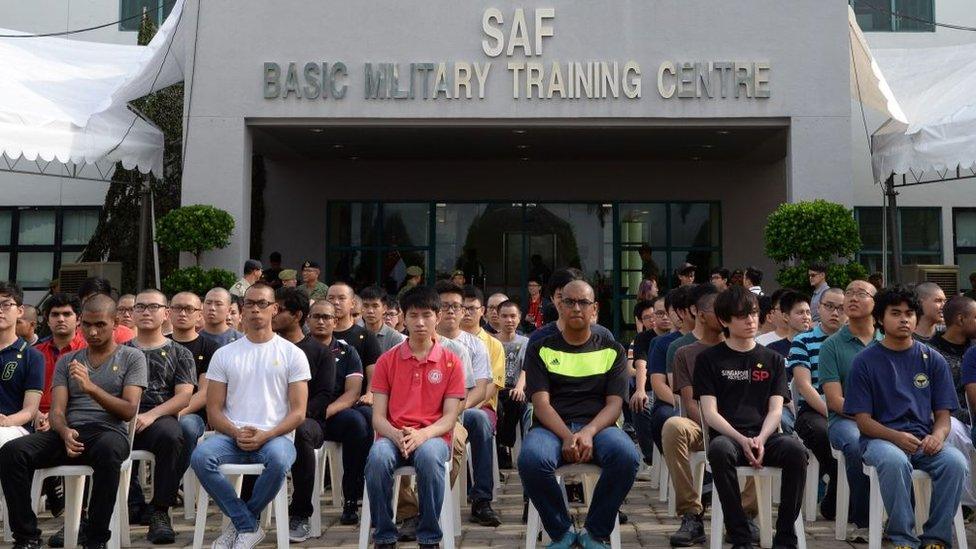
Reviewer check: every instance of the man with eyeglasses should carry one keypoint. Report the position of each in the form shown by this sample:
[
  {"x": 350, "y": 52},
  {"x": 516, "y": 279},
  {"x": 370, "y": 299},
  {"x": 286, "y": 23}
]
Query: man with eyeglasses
[
  {"x": 257, "y": 395},
  {"x": 172, "y": 376},
  {"x": 577, "y": 381},
  {"x": 817, "y": 274},
  {"x": 834, "y": 364},
  {"x": 811, "y": 417},
  {"x": 124, "y": 309},
  {"x": 293, "y": 309},
  {"x": 22, "y": 381},
  {"x": 216, "y": 307},
  {"x": 533, "y": 313},
  {"x": 95, "y": 285},
  {"x": 185, "y": 311},
  {"x": 491, "y": 312},
  {"x": 719, "y": 277},
  {"x": 344, "y": 421},
  {"x": 374, "y": 301}
]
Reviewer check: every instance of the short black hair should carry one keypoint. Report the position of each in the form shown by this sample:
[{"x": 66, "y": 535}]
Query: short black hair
[
  {"x": 641, "y": 306},
  {"x": 789, "y": 299},
  {"x": 722, "y": 272},
  {"x": 373, "y": 293},
  {"x": 13, "y": 291},
  {"x": 62, "y": 299},
  {"x": 653, "y": 301},
  {"x": 890, "y": 297},
  {"x": 423, "y": 298},
  {"x": 817, "y": 267},
  {"x": 293, "y": 300},
  {"x": 687, "y": 270},
  {"x": 675, "y": 299},
  {"x": 957, "y": 305},
  {"x": 275, "y": 256},
  {"x": 538, "y": 280},
  {"x": 776, "y": 296},
  {"x": 391, "y": 302},
  {"x": 754, "y": 274},
  {"x": 562, "y": 277},
  {"x": 443, "y": 287},
  {"x": 736, "y": 301},
  {"x": 699, "y": 291},
  {"x": 473, "y": 292},
  {"x": 765, "y": 305},
  {"x": 94, "y": 285},
  {"x": 509, "y": 303},
  {"x": 236, "y": 300}
]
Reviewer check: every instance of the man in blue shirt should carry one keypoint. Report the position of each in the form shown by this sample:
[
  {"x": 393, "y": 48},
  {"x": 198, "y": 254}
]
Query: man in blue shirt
[
  {"x": 22, "y": 378},
  {"x": 894, "y": 391}
]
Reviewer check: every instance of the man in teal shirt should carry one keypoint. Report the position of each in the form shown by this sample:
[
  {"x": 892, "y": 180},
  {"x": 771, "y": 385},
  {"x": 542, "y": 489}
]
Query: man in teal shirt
[{"x": 836, "y": 356}]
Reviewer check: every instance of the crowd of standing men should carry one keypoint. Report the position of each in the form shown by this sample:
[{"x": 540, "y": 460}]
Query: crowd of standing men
[{"x": 269, "y": 370}]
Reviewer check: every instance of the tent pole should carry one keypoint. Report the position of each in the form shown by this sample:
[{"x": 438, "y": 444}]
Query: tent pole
[
  {"x": 895, "y": 234},
  {"x": 143, "y": 229}
]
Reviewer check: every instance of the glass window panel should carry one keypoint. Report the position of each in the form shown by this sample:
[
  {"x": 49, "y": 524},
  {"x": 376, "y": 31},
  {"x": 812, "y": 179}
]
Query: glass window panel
[
  {"x": 6, "y": 227},
  {"x": 4, "y": 265},
  {"x": 965, "y": 227},
  {"x": 871, "y": 262},
  {"x": 78, "y": 227},
  {"x": 694, "y": 225},
  {"x": 921, "y": 229},
  {"x": 643, "y": 224},
  {"x": 395, "y": 265},
  {"x": 470, "y": 237},
  {"x": 967, "y": 265},
  {"x": 871, "y": 19},
  {"x": 916, "y": 15},
  {"x": 356, "y": 266},
  {"x": 36, "y": 228},
  {"x": 702, "y": 260},
  {"x": 34, "y": 269},
  {"x": 155, "y": 10},
  {"x": 352, "y": 223},
  {"x": 405, "y": 225},
  {"x": 70, "y": 257},
  {"x": 870, "y": 228},
  {"x": 921, "y": 259}
]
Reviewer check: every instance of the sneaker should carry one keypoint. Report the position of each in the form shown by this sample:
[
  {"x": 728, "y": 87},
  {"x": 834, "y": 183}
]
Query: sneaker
[
  {"x": 407, "y": 531},
  {"x": 858, "y": 535},
  {"x": 384, "y": 545},
  {"x": 586, "y": 541},
  {"x": 968, "y": 513},
  {"x": 28, "y": 544},
  {"x": 483, "y": 514},
  {"x": 100, "y": 545},
  {"x": 568, "y": 540},
  {"x": 622, "y": 517},
  {"x": 249, "y": 540},
  {"x": 934, "y": 546},
  {"x": 57, "y": 539},
  {"x": 298, "y": 529},
  {"x": 226, "y": 538},
  {"x": 350, "y": 513},
  {"x": 691, "y": 532},
  {"x": 160, "y": 529},
  {"x": 429, "y": 546}
]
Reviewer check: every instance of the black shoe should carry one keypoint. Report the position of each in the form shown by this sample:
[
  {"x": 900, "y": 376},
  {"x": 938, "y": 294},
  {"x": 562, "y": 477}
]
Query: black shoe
[
  {"x": 622, "y": 517},
  {"x": 160, "y": 529},
  {"x": 429, "y": 546},
  {"x": 384, "y": 545},
  {"x": 55, "y": 499},
  {"x": 29, "y": 544},
  {"x": 743, "y": 546},
  {"x": 140, "y": 514},
  {"x": 753, "y": 531},
  {"x": 691, "y": 532},
  {"x": 574, "y": 493},
  {"x": 407, "y": 531},
  {"x": 101, "y": 545},
  {"x": 483, "y": 514},
  {"x": 57, "y": 539},
  {"x": 350, "y": 513},
  {"x": 525, "y": 512}
]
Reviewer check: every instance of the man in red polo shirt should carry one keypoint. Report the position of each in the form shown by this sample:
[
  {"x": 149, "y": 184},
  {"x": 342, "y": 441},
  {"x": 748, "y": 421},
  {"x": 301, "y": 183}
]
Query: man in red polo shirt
[
  {"x": 62, "y": 318},
  {"x": 418, "y": 387}
]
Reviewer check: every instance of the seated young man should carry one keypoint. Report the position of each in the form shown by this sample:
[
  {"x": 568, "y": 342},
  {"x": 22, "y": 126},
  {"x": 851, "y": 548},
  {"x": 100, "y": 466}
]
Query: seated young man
[
  {"x": 417, "y": 389},
  {"x": 511, "y": 402},
  {"x": 577, "y": 382},
  {"x": 742, "y": 387},
  {"x": 95, "y": 393},
  {"x": 172, "y": 376},
  {"x": 257, "y": 393},
  {"x": 23, "y": 373},
  {"x": 900, "y": 392}
]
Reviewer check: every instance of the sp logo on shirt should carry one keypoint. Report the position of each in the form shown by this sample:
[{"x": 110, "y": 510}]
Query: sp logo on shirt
[
  {"x": 760, "y": 375},
  {"x": 921, "y": 381},
  {"x": 434, "y": 377}
]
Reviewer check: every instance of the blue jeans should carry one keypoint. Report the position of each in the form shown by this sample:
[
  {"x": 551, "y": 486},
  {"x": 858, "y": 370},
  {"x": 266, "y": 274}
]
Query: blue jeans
[
  {"x": 480, "y": 435},
  {"x": 649, "y": 424},
  {"x": 845, "y": 436},
  {"x": 787, "y": 421},
  {"x": 948, "y": 470},
  {"x": 193, "y": 428},
  {"x": 428, "y": 460},
  {"x": 277, "y": 455},
  {"x": 541, "y": 455}
]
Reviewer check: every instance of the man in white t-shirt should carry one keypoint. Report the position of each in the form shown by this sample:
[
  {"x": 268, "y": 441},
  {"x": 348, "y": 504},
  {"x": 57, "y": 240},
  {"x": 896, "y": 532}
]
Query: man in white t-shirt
[{"x": 257, "y": 393}]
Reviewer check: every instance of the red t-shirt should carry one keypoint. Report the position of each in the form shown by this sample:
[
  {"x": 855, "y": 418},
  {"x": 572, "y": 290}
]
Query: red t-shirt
[
  {"x": 123, "y": 334},
  {"x": 417, "y": 389},
  {"x": 534, "y": 315},
  {"x": 51, "y": 354}
]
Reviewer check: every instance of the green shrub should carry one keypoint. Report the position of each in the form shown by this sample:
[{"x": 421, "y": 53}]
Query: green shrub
[
  {"x": 195, "y": 229},
  {"x": 197, "y": 280}
]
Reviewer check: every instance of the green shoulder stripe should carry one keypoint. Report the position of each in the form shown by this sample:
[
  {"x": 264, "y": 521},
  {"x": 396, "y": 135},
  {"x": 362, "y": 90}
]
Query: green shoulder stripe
[{"x": 590, "y": 363}]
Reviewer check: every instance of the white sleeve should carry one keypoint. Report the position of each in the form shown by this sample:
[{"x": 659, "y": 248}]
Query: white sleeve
[
  {"x": 217, "y": 371},
  {"x": 298, "y": 369}
]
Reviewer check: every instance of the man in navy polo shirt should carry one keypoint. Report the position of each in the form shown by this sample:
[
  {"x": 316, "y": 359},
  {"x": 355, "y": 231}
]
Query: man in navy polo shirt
[
  {"x": 894, "y": 390},
  {"x": 21, "y": 368}
]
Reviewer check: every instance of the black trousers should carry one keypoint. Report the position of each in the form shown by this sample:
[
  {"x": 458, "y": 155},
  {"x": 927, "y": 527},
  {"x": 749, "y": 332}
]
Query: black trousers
[
  {"x": 164, "y": 438},
  {"x": 104, "y": 452},
  {"x": 510, "y": 415},
  {"x": 308, "y": 437},
  {"x": 353, "y": 428},
  {"x": 812, "y": 428},
  {"x": 785, "y": 451}
]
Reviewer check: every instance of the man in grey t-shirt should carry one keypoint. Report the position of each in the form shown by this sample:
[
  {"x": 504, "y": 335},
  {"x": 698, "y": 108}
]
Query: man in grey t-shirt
[{"x": 95, "y": 392}]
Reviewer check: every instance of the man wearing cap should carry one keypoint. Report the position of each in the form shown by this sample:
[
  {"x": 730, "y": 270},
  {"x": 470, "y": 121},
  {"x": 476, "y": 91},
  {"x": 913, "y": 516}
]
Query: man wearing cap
[
  {"x": 414, "y": 275},
  {"x": 311, "y": 285},
  {"x": 288, "y": 278},
  {"x": 272, "y": 275},
  {"x": 252, "y": 273},
  {"x": 458, "y": 278}
]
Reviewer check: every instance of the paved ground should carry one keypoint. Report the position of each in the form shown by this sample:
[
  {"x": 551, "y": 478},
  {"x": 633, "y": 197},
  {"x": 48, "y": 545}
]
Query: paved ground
[{"x": 649, "y": 525}]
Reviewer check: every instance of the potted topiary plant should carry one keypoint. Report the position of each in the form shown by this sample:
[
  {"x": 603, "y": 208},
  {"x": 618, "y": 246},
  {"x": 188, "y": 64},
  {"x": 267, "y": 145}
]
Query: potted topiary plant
[{"x": 195, "y": 229}]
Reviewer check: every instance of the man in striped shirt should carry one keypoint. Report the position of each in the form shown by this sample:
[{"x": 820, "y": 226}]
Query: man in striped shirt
[{"x": 811, "y": 419}]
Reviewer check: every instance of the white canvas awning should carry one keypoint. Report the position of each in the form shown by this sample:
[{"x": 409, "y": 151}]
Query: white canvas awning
[{"x": 67, "y": 100}]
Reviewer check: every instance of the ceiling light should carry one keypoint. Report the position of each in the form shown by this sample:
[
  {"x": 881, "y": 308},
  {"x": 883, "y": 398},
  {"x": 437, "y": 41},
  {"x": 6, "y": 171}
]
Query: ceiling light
[
  {"x": 696, "y": 158},
  {"x": 522, "y": 146},
  {"x": 353, "y": 158},
  {"x": 723, "y": 132},
  {"x": 706, "y": 146},
  {"x": 518, "y": 132},
  {"x": 338, "y": 146},
  {"x": 316, "y": 130},
  {"x": 524, "y": 158}
]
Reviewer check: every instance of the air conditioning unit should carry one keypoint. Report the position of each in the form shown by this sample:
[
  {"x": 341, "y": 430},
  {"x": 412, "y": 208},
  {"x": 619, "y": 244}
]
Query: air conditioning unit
[
  {"x": 72, "y": 274},
  {"x": 946, "y": 276}
]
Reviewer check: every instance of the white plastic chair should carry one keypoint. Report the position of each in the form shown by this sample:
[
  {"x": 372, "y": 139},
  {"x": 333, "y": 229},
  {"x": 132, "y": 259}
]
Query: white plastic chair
[
  {"x": 329, "y": 453},
  {"x": 812, "y": 488},
  {"x": 656, "y": 460},
  {"x": 589, "y": 473},
  {"x": 764, "y": 483},
  {"x": 191, "y": 485},
  {"x": 236, "y": 472},
  {"x": 843, "y": 496},
  {"x": 450, "y": 518},
  {"x": 922, "y": 484},
  {"x": 147, "y": 463}
]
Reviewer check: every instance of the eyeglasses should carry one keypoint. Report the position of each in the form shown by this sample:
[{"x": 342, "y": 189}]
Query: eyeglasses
[
  {"x": 151, "y": 307},
  {"x": 832, "y": 308},
  {"x": 124, "y": 310},
  {"x": 470, "y": 309},
  {"x": 860, "y": 294},
  {"x": 7, "y": 305},
  {"x": 263, "y": 304},
  {"x": 188, "y": 309},
  {"x": 452, "y": 306},
  {"x": 811, "y": 275},
  {"x": 321, "y": 316},
  {"x": 660, "y": 314},
  {"x": 571, "y": 303},
  {"x": 389, "y": 314}
]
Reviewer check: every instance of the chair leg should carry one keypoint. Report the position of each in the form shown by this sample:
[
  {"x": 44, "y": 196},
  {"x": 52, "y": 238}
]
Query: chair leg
[
  {"x": 531, "y": 527},
  {"x": 801, "y": 537},
  {"x": 664, "y": 481},
  {"x": 335, "y": 474},
  {"x": 718, "y": 517},
  {"x": 497, "y": 475},
  {"x": 321, "y": 458},
  {"x": 656, "y": 460},
  {"x": 875, "y": 509},
  {"x": 959, "y": 525},
  {"x": 36, "y": 488},
  {"x": 365, "y": 523},
  {"x": 456, "y": 504},
  {"x": 189, "y": 494},
  {"x": 122, "y": 506},
  {"x": 813, "y": 486},
  {"x": 203, "y": 500},
  {"x": 615, "y": 534},
  {"x": 764, "y": 493},
  {"x": 281, "y": 515},
  {"x": 843, "y": 499},
  {"x": 447, "y": 512},
  {"x": 74, "y": 489}
]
